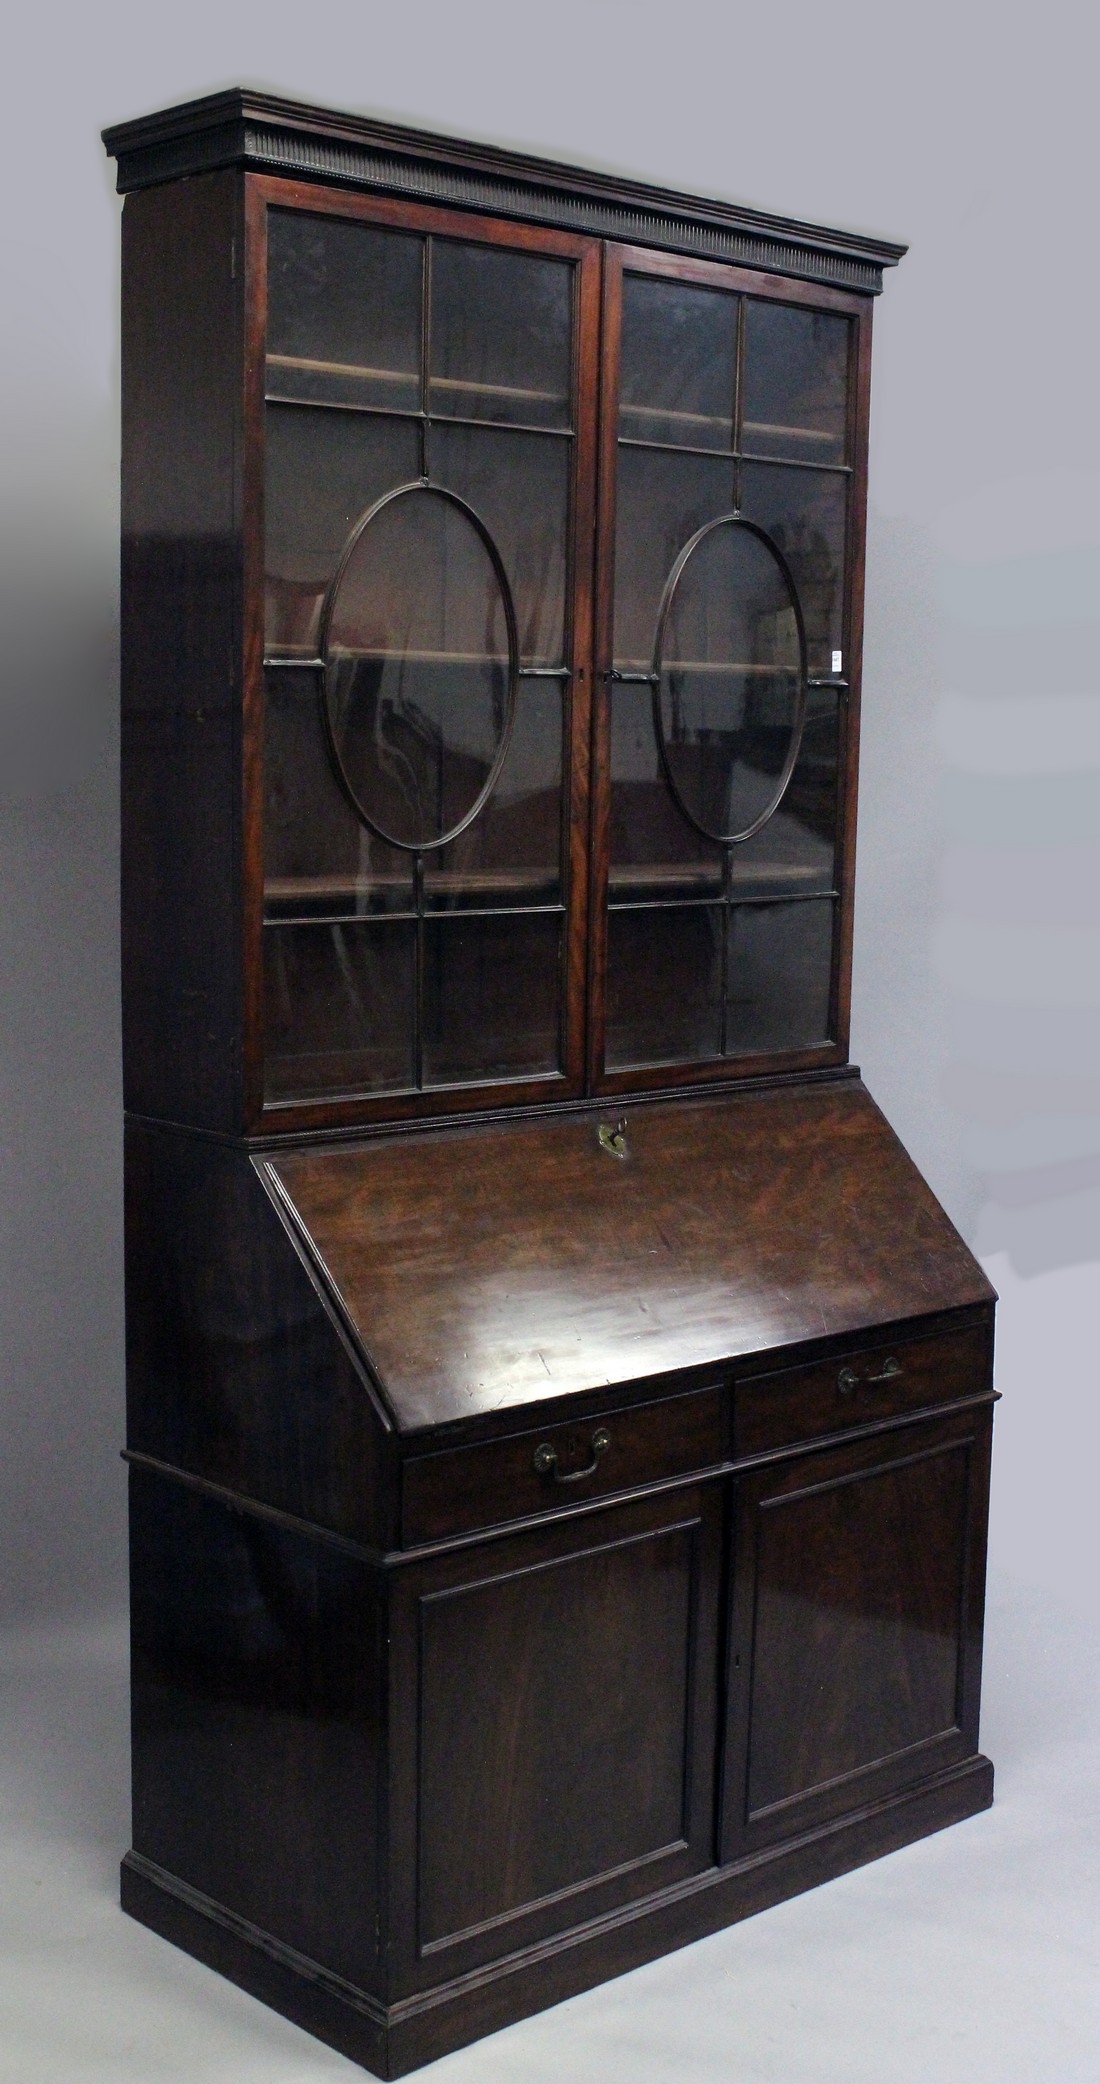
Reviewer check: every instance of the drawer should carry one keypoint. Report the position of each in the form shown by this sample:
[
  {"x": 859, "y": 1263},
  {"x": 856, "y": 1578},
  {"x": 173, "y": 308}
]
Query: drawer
[
  {"x": 853, "y": 1389},
  {"x": 464, "y": 1488}
]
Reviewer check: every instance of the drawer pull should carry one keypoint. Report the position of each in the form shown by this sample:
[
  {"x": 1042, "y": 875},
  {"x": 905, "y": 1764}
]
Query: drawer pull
[
  {"x": 847, "y": 1380},
  {"x": 546, "y": 1459},
  {"x": 613, "y": 1140}
]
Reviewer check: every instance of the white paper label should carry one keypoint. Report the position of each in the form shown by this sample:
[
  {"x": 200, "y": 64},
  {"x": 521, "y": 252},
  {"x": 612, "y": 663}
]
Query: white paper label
[{"x": 838, "y": 662}]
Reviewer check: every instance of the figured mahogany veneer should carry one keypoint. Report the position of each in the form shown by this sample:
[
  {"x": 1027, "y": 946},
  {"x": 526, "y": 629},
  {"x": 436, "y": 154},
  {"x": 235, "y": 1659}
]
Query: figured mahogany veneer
[
  {"x": 872, "y": 1386},
  {"x": 481, "y": 1269},
  {"x": 498, "y": 1678},
  {"x": 557, "y": 1521},
  {"x": 527, "y": 1474}
]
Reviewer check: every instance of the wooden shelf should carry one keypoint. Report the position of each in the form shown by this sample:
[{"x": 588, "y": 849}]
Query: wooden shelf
[
  {"x": 703, "y": 665},
  {"x": 343, "y": 893},
  {"x": 312, "y": 365},
  {"x": 675, "y": 877},
  {"x": 772, "y": 428},
  {"x": 419, "y": 658}
]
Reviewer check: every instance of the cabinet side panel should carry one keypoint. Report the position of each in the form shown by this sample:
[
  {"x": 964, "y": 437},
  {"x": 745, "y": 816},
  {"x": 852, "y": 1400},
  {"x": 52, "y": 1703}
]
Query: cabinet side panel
[
  {"x": 234, "y": 1371},
  {"x": 181, "y": 622},
  {"x": 256, "y": 1721}
]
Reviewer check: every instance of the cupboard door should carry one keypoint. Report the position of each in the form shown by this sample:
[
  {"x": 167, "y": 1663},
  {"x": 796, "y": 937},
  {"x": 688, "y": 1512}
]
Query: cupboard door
[
  {"x": 855, "y": 1650},
  {"x": 555, "y": 1696},
  {"x": 427, "y": 425},
  {"x": 730, "y": 538}
]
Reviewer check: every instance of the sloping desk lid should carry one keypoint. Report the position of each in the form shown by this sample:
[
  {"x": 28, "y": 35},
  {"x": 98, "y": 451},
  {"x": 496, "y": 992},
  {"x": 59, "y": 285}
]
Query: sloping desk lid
[{"x": 480, "y": 1268}]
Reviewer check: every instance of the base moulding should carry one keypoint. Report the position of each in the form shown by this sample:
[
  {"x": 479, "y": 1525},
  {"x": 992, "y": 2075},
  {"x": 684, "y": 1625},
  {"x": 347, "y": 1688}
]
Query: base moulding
[{"x": 391, "y": 2040}]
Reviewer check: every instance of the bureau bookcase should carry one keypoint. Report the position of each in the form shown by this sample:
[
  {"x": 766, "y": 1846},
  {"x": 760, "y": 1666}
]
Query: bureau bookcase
[{"x": 558, "y": 1411}]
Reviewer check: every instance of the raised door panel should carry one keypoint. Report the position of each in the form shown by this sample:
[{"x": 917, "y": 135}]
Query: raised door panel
[
  {"x": 856, "y": 1624},
  {"x": 562, "y": 1690}
]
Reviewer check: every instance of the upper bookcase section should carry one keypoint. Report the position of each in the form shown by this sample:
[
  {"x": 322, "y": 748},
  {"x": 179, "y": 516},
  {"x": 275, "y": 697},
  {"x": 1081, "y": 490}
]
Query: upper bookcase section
[{"x": 239, "y": 128}]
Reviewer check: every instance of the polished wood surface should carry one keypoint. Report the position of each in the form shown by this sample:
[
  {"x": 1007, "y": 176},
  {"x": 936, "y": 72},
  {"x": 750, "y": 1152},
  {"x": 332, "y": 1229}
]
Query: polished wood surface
[
  {"x": 851, "y": 1631},
  {"x": 490, "y": 1268},
  {"x": 558, "y": 1466},
  {"x": 182, "y": 589},
  {"x": 556, "y": 1532},
  {"x": 391, "y": 2042},
  {"x": 257, "y": 1675},
  {"x": 243, "y": 127},
  {"x": 235, "y": 1372},
  {"x": 531, "y": 1670},
  {"x": 856, "y": 1389},
  {"x": 194, "y": 494}
]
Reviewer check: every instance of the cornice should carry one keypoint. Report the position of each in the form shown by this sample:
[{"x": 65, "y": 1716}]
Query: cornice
[{"x": 268, "y": 134}]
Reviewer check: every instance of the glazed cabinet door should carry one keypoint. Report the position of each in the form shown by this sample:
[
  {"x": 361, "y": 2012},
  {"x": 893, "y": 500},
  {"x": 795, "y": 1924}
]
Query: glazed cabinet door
[
  {"x": 553, "y": 1712},
  {"x": 731, "y": 502},
  {"x": 856, "y": 1616},
  {"x": 423, "y": 460}
]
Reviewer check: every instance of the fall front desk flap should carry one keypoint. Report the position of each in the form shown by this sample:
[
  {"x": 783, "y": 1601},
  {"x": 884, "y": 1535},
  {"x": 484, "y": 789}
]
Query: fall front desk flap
[{"x": 481, "y": 1268}]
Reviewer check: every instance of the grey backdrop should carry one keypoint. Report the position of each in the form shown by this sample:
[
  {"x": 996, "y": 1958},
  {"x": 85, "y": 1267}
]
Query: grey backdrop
[{"x": 967, "y": 129}]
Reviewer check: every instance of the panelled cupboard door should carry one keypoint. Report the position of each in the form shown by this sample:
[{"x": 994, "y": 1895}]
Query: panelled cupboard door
[
  {"x": 424, "y": 462},
  {"x": 559, "y": 1694},
  {"x": 855, "y": 1635},
  {"x": 733, "y": 453}
]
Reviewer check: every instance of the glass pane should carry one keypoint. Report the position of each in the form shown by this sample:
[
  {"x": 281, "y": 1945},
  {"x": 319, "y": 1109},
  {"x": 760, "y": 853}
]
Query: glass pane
[
  {"x": 795, "y": 383},
  {"x": 324, "y": 469},
  {"x": 679, "y": 360},
  {"x": 501, "y": 335},
  {"x": 491, "y": 998},
  {"x": 730, "y": 680},
  {"x": 343, "y": 312},
  {"x": 318, "y": 858},
  {"x": 779, "y": 966},
  {"x": 662, "y": 500},
  {"x": 339, "y": 1008},
  {"x": 795, "y": 849},
  {"x": 417, "y": 668},
  {"x": 664, "y": 985},
  {"x": 519, "y": 486},
  {"x": 655, "y": 853},
  {"x": 805, "y": 513},
  {"x": 511, "y": 854}
]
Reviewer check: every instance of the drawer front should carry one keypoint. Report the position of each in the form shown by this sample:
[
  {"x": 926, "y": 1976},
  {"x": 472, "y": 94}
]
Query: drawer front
[
  {"x": 464, "y": 1488},
  {"x": 853, "y": 1389}
]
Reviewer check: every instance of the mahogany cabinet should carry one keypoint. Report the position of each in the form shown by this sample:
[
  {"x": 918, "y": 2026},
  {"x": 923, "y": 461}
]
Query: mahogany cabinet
[{"x": 558, "y": 1411}]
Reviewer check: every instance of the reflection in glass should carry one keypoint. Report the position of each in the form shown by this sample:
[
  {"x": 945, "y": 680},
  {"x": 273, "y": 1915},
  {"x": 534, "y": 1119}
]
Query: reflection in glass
[
  {"x": 655, "y": 852},
  {"x": 795, "y": 850},
  {"x": 339, "y": 1005},
  {"x": 779, "y": 971},
  {"x": 417, "y": 668},
  {"x": 664, "y": 985},
  {"x": 795, "y": 383},
  {"x": 343, "y": 323},
  {"x": 501, "y": 334},
  {"x": 730, "y": 689},
  {"x": 319, "y": 859},
  {"x": 511, "y": 854},
  {"x": 662, "y": 500},
  {"x": 491, "y": 998},
  {"x": 518, "y": 485},
  {"x": 804, "y": 511},
  {"x": 679, "y": 359},
  {"x": 324, "y": 469}
]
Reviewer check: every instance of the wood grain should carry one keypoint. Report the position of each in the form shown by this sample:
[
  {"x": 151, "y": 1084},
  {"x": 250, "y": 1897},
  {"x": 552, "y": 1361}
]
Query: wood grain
[{"x": 486, "y": 1269}]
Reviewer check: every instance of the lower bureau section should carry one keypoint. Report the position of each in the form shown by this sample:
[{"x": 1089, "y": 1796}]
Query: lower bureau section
[
  {"x": 409, "y": 1798},
  {"x": 391, "y": 2040}
]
